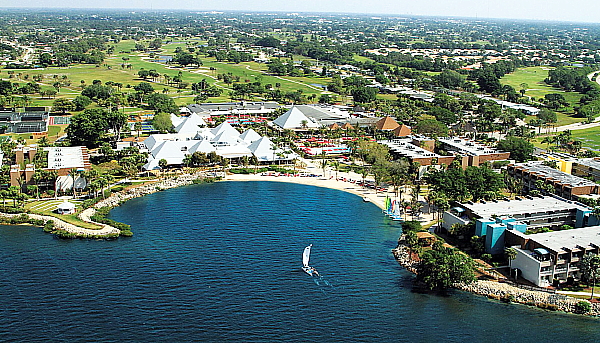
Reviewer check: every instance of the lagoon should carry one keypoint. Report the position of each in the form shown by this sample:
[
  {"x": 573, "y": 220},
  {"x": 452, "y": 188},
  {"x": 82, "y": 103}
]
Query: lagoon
[{"x": 221, "y": 262}]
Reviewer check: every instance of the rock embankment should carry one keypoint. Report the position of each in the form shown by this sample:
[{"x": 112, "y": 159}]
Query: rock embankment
[
  {"x": 503, "y": 291},
  {"x": 117, "y": 198},
  {"x": 105, "y": 230}
]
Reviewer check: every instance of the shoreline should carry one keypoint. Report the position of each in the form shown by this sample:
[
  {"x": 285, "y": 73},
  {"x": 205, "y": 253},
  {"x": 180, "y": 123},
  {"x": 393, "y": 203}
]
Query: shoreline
[{"x": 504, "y": 292}]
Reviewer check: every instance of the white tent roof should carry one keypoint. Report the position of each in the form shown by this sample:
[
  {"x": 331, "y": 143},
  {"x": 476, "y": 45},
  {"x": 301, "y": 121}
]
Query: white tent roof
[
  {"x": 263, "y": 150},
  {"x": 190, "y": 124},
  {"x": 250, "y": 136},
  {"x": 66, "y": 206},
  {"x": 205, "y": 147},
  {"x": 224, "y": 138},
  {"x": 233, "y": 151},
  {"x": 176, "y": 120},
  {"x": 293, "y": 119},
  {"x": 154, "y": 140},
  {"x": 225, "y": 127}
]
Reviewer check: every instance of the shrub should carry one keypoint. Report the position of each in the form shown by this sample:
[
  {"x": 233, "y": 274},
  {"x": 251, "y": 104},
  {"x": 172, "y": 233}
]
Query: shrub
[
  {"x": 547, "y": 306},
  {"x": 583, "y": 307},
  {"x": 116, "y": 189},
  {"x": 49, "y": 226}
]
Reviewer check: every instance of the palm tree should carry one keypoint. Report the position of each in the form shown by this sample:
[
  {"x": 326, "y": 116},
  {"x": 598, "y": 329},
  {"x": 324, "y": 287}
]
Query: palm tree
[
  {"x": 511, "y": 254},
  {"x": 336, "y": 167},
  {"x": 73, "y": 174},
  {"x": 323, "y": 165}
]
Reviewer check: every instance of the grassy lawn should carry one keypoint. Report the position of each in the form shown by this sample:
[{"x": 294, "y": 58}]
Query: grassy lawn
[
  {"x": 111, "y": 70},
  {"x": 47, "y": 207},
  {"x": 589, "y": 137},
  {"x": 536, "y": 87}
]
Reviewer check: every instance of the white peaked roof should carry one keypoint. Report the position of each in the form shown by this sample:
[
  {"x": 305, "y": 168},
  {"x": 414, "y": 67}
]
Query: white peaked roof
[
  {"x": 66, "y": 206},
  {"x": 190, "y": 124},
  {"x": 176, "y": 120},
  {"x": 293, "y": 119},
  {"x": 263, "y": 149},
  {"x": 205, "y": 133},
  {"x": 227, "y": 128},
  {"x": 205, "y": 147},
  {"x": 233, "y": 151},
  {"x": 224, "y": 138},
  {"x": 250, "y": 136}
]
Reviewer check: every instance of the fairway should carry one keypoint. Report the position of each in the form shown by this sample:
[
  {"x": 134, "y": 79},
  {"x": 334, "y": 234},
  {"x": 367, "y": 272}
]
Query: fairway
[
  {"x": 536, "y": 87},
  {"x": 112, "y": 69}
]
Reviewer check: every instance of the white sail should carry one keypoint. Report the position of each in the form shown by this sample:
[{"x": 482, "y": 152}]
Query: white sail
[{"x": 306, "y": 256}]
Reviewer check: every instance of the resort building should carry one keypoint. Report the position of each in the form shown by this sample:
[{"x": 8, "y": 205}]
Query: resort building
[
  {"x": 415, "y": 153},
  {"x": 224, "y": 140},
  {"x": 227, "y": 108},
  {"x": 494, "y": 218},
  {"x": 552, "y": 258},
  {"x": 473, "y": 153},
  {"x": 295, "y": 119},
  {"x": 62, "y": 160},
  {"x": 565, "y": 185},
  {"x": 588, "y": 168}
]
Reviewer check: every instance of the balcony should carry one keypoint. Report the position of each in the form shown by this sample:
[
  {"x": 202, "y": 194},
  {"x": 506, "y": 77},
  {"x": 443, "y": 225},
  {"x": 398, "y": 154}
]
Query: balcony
[
  {"x": 575, "y": 259},
  {"x": 546, "y": 263}
]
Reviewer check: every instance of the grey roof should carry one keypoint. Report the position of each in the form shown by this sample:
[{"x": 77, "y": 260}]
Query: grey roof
[
  {"x": 224, "y": 106},
  {"x": 468, "y": 147},
  {"x": 549, "y": 172},
  {"x": 404, "y": 147},
  {"x": 523, "y": 206},
  {"x": 588, "y": 162},
  {"x": 565, "y": 240}
]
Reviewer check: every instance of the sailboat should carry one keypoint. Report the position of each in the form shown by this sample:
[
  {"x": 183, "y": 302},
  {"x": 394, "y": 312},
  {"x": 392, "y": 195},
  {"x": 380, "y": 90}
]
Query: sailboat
[{"x": 305, "y": 258}]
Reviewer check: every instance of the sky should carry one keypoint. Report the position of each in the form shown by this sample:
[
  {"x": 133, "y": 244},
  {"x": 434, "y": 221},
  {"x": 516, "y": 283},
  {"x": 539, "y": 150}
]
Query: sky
[{"x": 559, "y": 10}]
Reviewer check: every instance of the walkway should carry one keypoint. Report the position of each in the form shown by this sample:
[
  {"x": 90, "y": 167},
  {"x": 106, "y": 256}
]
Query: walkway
[{"x": 596, "y": 295}]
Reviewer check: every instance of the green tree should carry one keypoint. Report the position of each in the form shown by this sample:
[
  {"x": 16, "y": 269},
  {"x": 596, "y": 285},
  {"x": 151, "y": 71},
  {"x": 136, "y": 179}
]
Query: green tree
[
  {"x": 63, "y": 105},
  {"x": 590, "y": 269},
  {"x": 431, "y": 127},
  {"x": 81, "y": 102},
  {"x": 162, "y": 122},
  {"x": 441, "y": 269},
  {"x": 87, "y": 127},
  {"x": 162, "y": 103},
  {"x": 520, "y": 149}
]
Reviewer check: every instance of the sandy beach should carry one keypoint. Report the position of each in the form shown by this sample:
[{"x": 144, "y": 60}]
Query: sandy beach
[{"x": 329, "y": 181}]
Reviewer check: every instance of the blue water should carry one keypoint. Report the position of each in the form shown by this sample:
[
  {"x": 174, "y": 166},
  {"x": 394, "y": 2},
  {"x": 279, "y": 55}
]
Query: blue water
[{"x": 221, "y": 262}]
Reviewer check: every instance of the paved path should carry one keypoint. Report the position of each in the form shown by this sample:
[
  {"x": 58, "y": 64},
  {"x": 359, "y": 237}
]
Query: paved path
[{"x": 596, "y": 295}]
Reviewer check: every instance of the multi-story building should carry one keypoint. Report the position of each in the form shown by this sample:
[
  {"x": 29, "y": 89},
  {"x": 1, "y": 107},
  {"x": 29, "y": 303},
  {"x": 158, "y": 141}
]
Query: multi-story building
[
  {"x": 565, "y": 185},
  {"x": 552, "y": 258},
  {"x": 494, "y": 218},
  {"x": 62, "y": 160},
  {"x": 473, "y": 153},
  {"x": 587, "y": 167},
  {"x": 412, "y": 150}
]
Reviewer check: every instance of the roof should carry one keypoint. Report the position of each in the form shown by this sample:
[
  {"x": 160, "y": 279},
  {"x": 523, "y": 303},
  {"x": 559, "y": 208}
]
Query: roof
[
  {"x": 523, "y": 206},
  {"x": 467, "y": 147},
  {"x": 65, "y": 157},
  {"x": 294, "y": 119},
  {"x": 226, "y": 128},
  {"x": 559, "y": 176},
  {"x": 66, "y": 206},
  {"x": 402, "y": 131},
  {"x": 574, "y": 239},
  {"x": 209, "y": 107},
  {"x": 347, "y": 126},
  {"x": 190, "y": 124},
  {"x": 334, "y": 126},
  {"x": 250, "y": 136},
  {"x": 386, "y": 123}
]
